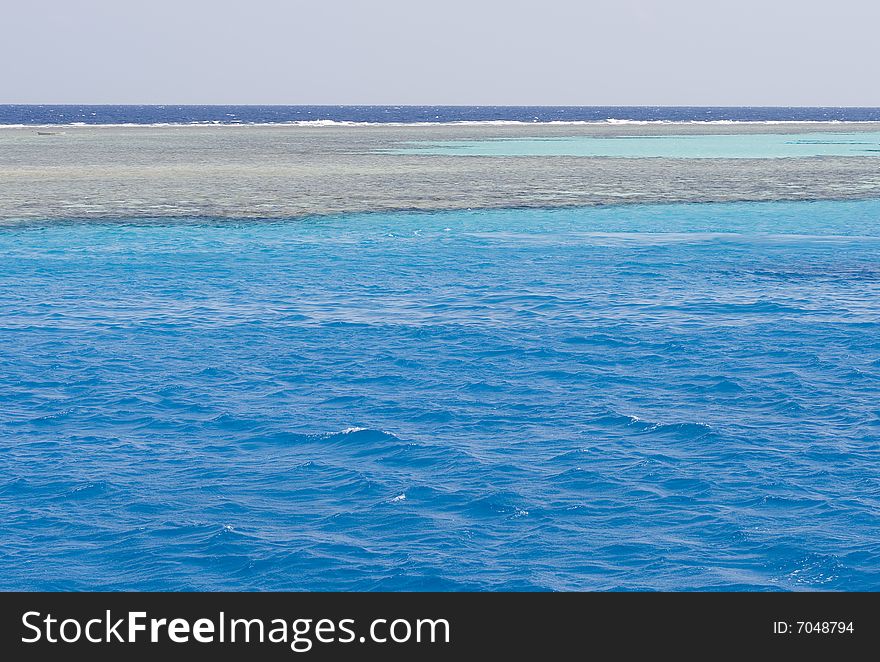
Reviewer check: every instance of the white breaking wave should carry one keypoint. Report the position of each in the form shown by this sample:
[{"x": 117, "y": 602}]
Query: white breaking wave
[{"x": 341, "y": 123}]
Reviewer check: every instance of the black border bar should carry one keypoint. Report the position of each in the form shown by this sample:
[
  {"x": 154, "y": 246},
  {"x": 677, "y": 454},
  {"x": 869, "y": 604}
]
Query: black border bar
[{"x": 522, "y": 625}]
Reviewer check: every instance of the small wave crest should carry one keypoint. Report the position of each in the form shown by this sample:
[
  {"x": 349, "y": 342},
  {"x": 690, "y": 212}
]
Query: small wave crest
[{"x": 682, "y": 429}]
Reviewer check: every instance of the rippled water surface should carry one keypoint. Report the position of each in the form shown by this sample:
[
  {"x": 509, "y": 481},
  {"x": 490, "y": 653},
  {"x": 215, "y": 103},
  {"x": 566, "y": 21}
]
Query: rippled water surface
[{"x": 653, "y": 397}]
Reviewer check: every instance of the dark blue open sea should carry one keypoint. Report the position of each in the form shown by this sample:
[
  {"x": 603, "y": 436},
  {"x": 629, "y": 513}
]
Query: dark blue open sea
[
  {"x": 15, "y": 114},
  {"x": 632, "y": 397}
]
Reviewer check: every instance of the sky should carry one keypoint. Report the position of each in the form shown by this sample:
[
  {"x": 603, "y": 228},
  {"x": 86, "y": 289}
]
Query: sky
[{"x": 468, "y": 52}]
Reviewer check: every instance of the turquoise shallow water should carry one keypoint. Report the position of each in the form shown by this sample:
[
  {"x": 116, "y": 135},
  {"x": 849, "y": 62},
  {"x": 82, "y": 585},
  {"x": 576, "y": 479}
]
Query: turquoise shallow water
[
  {"x": 733, "y": 146},
  {"x": 652, "y": 397}
]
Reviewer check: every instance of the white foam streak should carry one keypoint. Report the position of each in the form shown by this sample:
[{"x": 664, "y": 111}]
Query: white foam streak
[{"x": 340, "y": 123}]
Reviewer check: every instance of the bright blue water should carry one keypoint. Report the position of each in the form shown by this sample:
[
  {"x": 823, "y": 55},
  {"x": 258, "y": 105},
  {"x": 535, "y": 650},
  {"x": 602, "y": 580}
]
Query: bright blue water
[
  {"x": 49, "y": 114},
  {"x": 729, "y": 146},
  {"x": 665, "y": 397}
]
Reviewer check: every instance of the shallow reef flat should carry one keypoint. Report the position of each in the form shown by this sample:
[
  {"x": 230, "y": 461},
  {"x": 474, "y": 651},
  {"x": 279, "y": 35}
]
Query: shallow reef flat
[{"x": 292, "y": 171}]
